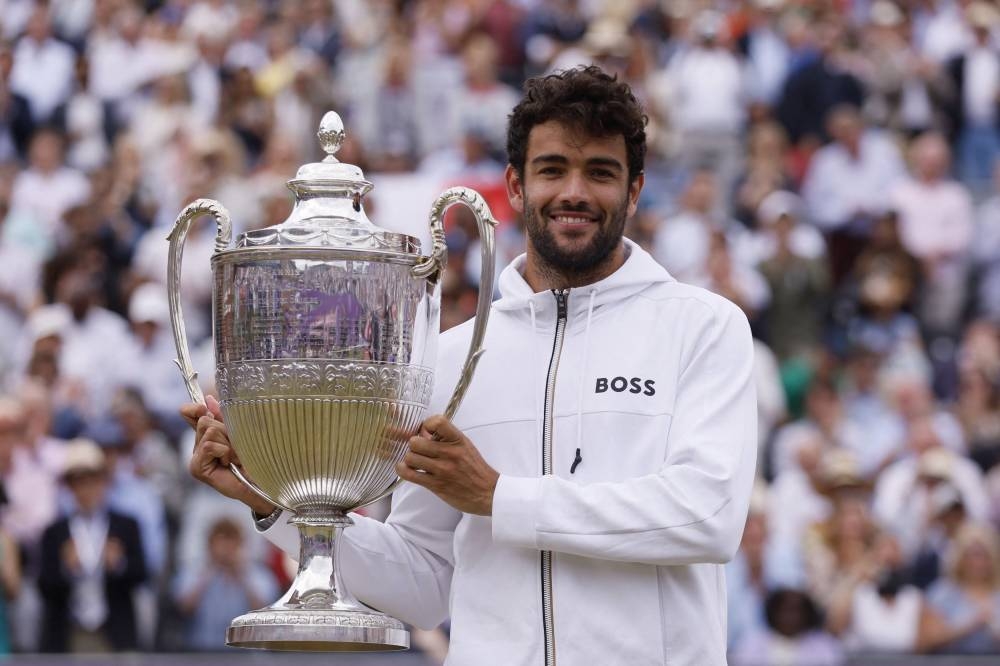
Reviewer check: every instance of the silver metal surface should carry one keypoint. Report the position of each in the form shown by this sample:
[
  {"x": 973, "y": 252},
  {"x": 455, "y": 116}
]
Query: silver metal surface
[
  {"x": 318, "y": 612},
  {"x": 325, "y": 331},
  {"x": 177, "y": 237}
]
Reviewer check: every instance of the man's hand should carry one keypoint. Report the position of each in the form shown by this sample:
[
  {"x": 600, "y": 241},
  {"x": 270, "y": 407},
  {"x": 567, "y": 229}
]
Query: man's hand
[
  {"x": 70, "y": 558},
  {"x": 213, "y": 454},
  {"x": 114, "y": 554},
  {"x": 444, "y": 461}
]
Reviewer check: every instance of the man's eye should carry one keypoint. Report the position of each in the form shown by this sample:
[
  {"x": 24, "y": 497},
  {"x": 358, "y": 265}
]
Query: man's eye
[
  {"x": 602, "y": 174},
  {"x": 549, "y": 171}
]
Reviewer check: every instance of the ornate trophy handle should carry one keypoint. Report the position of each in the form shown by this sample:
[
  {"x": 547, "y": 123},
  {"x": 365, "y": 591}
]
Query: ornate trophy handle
[
  {"x": 432, "y": 267},
  {"x": 177, "y": 237}
]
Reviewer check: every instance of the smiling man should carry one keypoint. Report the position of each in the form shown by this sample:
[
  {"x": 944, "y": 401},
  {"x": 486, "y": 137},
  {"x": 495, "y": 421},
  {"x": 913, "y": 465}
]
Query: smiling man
[{"x": 579, "y": 508}]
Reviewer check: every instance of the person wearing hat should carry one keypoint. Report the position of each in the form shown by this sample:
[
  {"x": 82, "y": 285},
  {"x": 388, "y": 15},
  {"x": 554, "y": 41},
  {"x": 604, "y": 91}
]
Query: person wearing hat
[
  {"x": 905, "y": 490},
  {"x": 91, "y": 561}
]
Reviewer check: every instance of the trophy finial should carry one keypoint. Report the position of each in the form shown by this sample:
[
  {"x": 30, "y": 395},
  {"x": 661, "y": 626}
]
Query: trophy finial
[{"x": 331, "y": 134}]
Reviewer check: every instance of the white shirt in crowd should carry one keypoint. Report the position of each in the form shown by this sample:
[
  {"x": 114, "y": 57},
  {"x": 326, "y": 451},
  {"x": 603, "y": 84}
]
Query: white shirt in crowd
[
  {"x": 982, "y": 86},
  {"x": 85, "y": 124},
  {"x": 90, "y": 353},
  {"x": 681, "y": 245},
  {"x": 44, "y": 74},
  {"x": 943, "y": 34},
  {"x": 838, "y": 187},
  {"x": 934, "y": 218},
  {"x": 47, "y": 196},
  {"x": 708, "y": 90},
  {"x": 767, "y": 65},
  {"x": 878, "y": 625},
  {"x": 117, "y": 67}
]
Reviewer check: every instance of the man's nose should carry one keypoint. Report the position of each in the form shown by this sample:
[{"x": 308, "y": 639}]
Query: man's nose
[{"x": 576, "y": 190}]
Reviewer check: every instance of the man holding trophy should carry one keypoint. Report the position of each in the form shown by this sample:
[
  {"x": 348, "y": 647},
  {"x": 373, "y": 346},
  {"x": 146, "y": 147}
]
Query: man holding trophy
[{"x": 579, "y": 506}]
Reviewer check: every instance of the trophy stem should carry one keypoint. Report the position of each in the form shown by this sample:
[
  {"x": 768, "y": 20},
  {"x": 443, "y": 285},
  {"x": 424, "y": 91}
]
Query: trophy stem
[
  {"x": 318, "y": 583},
  {"x": 318, "y": 613}
]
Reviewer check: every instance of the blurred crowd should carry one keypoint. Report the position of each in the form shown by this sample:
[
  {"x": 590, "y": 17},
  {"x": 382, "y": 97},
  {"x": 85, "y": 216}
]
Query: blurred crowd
[{"x": 828, "y": 165}]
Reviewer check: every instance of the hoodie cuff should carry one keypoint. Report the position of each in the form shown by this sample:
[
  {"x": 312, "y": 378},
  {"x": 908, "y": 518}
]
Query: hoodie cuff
[{"x": 515, "y": 508}]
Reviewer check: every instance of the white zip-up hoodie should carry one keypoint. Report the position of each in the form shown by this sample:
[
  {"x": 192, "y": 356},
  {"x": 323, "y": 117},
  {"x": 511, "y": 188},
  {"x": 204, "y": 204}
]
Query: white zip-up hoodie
[{"x": 654, "y": 401}]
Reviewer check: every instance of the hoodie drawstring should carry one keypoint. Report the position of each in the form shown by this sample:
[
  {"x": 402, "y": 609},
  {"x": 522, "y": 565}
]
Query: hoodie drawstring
[
  {"x": 583, "y": 380},
  {"x": 535, "y": 364}
]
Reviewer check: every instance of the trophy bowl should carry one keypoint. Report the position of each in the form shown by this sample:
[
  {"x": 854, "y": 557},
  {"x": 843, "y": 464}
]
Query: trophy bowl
[{"x": 325, "y": 330}]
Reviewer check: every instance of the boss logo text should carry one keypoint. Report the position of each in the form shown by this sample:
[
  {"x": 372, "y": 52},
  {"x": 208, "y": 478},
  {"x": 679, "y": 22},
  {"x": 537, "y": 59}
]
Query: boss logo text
[{"x": 622, "y": 384}]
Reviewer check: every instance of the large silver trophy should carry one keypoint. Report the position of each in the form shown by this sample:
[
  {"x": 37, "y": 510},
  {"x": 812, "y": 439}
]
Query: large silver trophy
[{"x": 325, "y": 333}]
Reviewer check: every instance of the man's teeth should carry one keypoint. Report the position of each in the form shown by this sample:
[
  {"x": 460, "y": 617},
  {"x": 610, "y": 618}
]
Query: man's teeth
[{"x": 570, "y": 219}]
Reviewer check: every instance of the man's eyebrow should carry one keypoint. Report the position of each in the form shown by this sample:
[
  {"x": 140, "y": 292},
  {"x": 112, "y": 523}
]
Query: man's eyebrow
[
  {"x": 556, "y": 158},
  {"x": 550, "y": 157}
]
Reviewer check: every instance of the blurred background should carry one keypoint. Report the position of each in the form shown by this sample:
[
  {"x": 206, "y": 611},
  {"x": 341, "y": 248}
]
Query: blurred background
[{"x": 828, "y": 165}]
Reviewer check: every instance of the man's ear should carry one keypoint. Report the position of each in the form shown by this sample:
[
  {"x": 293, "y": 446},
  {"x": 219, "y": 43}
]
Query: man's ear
[
  {"x": 634, "y": 189},
  {"x": 515, "y": 188}
]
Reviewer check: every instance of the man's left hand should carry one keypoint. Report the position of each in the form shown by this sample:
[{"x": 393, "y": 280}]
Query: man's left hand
[{"x": 446, "y": 462}]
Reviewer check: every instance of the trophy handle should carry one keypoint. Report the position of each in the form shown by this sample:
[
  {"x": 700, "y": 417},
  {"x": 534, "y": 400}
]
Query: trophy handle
[
  {"x": 177, "y": 237},
  {"x": 432, "y": 267}
]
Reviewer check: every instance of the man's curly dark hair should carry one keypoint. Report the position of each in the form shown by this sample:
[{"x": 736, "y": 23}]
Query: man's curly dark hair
[{"x": 585, "y": 99}]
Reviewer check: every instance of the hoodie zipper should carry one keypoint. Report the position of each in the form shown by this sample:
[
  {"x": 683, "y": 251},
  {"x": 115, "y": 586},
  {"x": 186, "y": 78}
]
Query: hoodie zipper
[{"x": 548, "y": 619}]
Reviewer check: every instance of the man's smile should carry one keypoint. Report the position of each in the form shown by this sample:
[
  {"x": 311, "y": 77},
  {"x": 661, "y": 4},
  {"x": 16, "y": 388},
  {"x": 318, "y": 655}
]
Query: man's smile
[{"x": 574, "y": 218}]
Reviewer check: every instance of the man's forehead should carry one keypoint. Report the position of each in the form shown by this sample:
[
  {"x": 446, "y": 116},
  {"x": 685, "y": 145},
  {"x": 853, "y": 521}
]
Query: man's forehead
[{"x": 556, "y": 138}]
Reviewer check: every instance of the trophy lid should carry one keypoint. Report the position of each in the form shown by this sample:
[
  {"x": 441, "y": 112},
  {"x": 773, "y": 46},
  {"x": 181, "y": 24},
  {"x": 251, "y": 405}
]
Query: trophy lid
[{"x": 328, "y": 213}]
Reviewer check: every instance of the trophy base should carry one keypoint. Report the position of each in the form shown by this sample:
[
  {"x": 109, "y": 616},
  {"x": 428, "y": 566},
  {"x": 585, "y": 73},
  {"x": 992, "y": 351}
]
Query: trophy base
[{"x": 318, "y": 631}]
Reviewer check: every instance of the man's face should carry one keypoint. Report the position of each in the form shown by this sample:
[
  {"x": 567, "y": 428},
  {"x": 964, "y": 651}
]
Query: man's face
[
  {"x": 88, "y": 488},
  {"x": 575, "y": 196}
]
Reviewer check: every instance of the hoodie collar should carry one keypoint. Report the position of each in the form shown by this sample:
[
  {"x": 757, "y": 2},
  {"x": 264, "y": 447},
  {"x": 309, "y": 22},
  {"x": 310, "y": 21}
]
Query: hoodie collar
[{"x": 639, "y": 272}]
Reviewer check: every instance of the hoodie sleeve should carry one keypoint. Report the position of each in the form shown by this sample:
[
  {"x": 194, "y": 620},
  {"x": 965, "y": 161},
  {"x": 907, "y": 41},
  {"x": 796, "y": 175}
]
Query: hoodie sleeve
[
  {"x": 690, "y": 510},
  {"x": 401, "y": 567}
]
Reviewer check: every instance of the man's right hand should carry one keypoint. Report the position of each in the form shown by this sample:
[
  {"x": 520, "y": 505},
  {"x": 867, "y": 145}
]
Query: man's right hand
[{"x": 213, "y": 454}]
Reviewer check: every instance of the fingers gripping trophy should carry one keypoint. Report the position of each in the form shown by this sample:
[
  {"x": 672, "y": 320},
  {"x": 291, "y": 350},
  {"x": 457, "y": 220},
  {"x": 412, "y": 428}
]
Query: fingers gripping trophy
[{"x": 325, "y": 331}]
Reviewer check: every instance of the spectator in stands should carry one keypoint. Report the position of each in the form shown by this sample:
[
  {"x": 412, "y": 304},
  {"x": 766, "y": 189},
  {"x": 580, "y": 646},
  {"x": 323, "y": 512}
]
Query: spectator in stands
[
  {"x": 92, "y": 560},
  {"x": 904, "y": 492},
  {"x": 210, "y": 594},
  {"x": 16, "y": 123},
  {"x": 968, "y": 598},
  {"x": 847, "y": 184},
  {"x": 130, "y": 493},
  {"x": 818, "y": 86},
  {"x": 707, "y": 103},
  {"x": 794, "y": 633},
  {"x": 48, "y": 188},
  {"x": 985, "y": 257},
  {"x": 935, "y": 226},
  {"x": 760, "y": 565},
  {"x": 824, "y": 418},
  {"x": 974, "y": 112},
  {"x": 683, "y": 240},
  {"x": 906, "y": 91},
  {"x": 877, "y": 610},
  {"x": 768, "y": 55},
  {"x": 43, "y": 69},
  {"x": 794, "y": 266}
]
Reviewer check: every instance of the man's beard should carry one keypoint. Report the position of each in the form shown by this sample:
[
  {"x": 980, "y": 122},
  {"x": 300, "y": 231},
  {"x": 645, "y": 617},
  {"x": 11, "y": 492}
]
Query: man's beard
[{"x": 577, "y": 261}]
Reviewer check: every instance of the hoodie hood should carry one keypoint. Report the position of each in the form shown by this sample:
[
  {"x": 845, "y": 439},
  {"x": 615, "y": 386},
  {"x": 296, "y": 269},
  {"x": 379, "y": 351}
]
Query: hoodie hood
[{"x": 639, "y": 272}]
